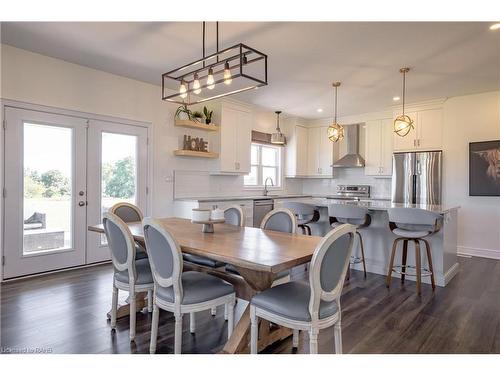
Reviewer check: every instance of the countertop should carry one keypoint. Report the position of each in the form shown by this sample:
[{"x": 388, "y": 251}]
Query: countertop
[
  {"x": 244, "y": 197},
  {"x": 379, "y": 205}
]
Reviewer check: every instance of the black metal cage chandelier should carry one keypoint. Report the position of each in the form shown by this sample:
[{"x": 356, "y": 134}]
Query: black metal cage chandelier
[{"x": 230, "y": 71}]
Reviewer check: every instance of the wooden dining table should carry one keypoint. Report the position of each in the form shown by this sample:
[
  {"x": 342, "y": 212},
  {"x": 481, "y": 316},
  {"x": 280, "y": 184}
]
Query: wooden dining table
[{"x": 258, "y": 255}]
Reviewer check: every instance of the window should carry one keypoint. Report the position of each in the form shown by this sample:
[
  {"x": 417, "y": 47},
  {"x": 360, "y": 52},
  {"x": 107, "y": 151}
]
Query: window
[{"x": 265, "y": 163}]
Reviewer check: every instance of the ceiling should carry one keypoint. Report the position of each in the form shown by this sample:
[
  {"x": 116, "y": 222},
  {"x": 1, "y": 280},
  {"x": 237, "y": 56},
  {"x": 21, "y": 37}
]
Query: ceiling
[{"x": 446, "y": 58}]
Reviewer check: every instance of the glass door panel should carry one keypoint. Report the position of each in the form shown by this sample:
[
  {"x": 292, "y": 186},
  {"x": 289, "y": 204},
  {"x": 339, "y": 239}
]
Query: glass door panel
[{"x": 48, "y": 180}]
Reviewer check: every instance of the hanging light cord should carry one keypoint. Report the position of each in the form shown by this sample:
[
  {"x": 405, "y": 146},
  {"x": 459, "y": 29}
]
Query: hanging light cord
[{"x": 404, "y": 90}]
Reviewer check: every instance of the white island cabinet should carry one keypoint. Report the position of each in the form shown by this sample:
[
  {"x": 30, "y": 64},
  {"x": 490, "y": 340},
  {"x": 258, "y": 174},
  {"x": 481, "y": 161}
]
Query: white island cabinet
[{"x": 378, "y": 238}]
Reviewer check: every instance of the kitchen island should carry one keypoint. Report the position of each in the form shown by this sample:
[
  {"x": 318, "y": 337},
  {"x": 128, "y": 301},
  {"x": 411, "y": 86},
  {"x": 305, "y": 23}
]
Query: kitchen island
[{"x": 378, "y": 239}]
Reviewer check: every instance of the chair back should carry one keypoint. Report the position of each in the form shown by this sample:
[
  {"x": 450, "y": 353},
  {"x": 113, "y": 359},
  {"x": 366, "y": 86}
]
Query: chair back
[
  {"x": 165, "y": 256},
  {"x": 414, "y": 219},
  {"x": 127, "y": 212},
  {"x": 280, "y": 220},
  {"x": 120, "y": 242},
  {"x": 348, "y": 214},
  {"x": 234, "y": 216},
  {"x": 303, "y": 211},
  {"x": 329, "y": 267}
]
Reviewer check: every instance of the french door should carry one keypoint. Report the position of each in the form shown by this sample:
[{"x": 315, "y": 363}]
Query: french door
[{"x": 61, "y": 172}]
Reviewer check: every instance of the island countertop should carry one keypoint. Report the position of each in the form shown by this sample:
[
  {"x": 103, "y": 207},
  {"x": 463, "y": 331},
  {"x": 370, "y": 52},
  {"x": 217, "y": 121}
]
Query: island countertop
[{"x": 377, "y": 205}]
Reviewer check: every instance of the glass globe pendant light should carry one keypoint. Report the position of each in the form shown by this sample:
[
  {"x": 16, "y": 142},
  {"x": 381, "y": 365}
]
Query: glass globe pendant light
[
  {"x": 403, "y": 124},
  {"x": 278, "y": 138},
  {"x": 335, "y": 130}
]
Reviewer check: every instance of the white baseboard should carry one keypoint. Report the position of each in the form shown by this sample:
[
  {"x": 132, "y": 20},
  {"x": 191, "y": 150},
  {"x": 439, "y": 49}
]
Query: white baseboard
[{"x": 482, "y": 253}]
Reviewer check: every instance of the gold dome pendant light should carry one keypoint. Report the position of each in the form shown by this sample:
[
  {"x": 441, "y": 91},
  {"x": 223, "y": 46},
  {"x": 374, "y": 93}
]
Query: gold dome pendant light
[
  {"x": 403, "y": 123},
  {"x": 335, "y": 130}
]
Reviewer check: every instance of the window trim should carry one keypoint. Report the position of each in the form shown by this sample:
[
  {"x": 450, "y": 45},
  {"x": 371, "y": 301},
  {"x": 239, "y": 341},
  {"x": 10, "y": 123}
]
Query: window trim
[{"x": 279, "y": 168}]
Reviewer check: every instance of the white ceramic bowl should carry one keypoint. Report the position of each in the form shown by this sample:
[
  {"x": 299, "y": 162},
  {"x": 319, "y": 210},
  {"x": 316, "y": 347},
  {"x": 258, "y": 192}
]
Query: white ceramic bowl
[{"x": 201, "y": 214}]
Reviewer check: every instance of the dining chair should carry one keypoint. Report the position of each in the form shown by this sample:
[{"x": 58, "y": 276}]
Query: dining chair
[
  {"x": 306, "y": 214},
  {"x": 181, "y": 292},
  {"x": 314, "y": 306},
  {"x": 412, "y": 224},
  {"x": 359, "y": 217},
  {"x": 129, "y": 212},
  {"x": 280, "y": 220},
  {"x": 131, "y": 274}
]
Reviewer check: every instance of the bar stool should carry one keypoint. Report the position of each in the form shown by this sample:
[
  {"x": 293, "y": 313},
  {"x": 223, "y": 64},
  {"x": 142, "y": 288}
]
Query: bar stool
[
  {"x": 305, "y": 214},
  {"x": 349, "y": 214},
  {"x": 412, "y": 224}
]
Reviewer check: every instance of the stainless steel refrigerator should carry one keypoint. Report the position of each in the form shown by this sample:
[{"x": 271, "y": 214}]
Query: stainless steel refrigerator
[{"x": 416, "y": 177}]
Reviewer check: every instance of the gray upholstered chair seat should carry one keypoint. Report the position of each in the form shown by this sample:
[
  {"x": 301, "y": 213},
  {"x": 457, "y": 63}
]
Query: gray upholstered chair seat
[
  {"x": 202, "y": 260},
  {"x": 291, "y": 300},
  {"x": 197, "y": 287},
  {"x": 140, "y": 253},
  {"x": 232, "y": 269},
  {"x": 410, "y": 233},
  {"x": 143, "y": 271}
]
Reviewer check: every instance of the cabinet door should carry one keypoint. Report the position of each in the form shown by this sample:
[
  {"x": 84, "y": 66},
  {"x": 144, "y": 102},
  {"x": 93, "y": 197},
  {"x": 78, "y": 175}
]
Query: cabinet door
[
  {"x": 301, "y": 135},
  {"x": 313, "y": 145},
  {"x": 373, "y": 147},
  {"x": 229, "y": 123},
  {"x": 407, "y": 143},
  {"x": 430, "y": 129},
  {"x": 325, "y": 152},
  {"x": 387, "y": 148},
  {"x": 243, "y": 141}
]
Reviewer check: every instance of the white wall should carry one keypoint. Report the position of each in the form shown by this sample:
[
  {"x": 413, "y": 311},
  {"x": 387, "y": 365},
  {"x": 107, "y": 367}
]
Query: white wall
[
  {"x": 39, "y": 79},
  {"x": 467, "y": 119}
]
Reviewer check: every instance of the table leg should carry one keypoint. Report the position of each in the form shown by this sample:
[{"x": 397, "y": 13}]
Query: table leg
[
  {"x": 240, "y": 339},
  {"x": 124, "y": 310}
]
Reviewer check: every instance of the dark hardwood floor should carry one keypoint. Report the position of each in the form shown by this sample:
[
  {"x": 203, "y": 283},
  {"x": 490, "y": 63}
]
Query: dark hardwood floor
[{"x": 66, "y": 313}]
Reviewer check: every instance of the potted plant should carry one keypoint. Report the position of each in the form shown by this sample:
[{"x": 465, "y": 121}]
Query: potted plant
[
  {"x": 197, "y": 116},
  {"x": 183, "y": 113},
  {"x": 208, "y": 115}
]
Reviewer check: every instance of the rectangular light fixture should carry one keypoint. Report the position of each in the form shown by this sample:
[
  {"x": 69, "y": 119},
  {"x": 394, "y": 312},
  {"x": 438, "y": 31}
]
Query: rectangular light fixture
[{"x": 230, "y": 71}]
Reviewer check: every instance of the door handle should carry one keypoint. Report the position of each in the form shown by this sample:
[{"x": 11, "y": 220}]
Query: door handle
[{"x": 82, "y": 203}]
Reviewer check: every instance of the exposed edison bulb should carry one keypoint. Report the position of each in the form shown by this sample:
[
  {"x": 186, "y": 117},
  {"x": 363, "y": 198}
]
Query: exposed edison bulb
[
  {"x": 227, "y": 74},
  {"x": 210, "y": 79},
  {"x": 196, "y": 84},
  {"x": 183, "y": 90}
]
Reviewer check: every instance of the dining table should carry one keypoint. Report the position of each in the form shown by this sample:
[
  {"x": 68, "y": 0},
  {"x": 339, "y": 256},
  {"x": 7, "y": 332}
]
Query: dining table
[{"x": 257, "y": 254}]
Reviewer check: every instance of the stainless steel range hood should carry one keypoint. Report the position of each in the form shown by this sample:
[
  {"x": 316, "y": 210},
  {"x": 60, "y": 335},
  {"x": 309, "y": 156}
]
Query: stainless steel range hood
[{"x": 352, "y": 159}]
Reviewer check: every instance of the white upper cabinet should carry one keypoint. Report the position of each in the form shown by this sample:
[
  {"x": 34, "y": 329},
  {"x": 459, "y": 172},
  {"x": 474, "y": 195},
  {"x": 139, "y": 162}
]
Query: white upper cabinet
[
  {"x": 235, "y": 139},
  {"x": 296, "y": 150},
  {"x": 379, "y": 147},
  {"x": 319, "y": 152},
  {"x": 428, "y": 132}
]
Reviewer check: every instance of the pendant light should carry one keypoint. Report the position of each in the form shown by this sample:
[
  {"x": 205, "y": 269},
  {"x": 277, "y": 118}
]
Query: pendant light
[
  {"x": 335, "y": 130},
  {"x": 403, "y": 123},
  {"x": 278, "y": 138}
]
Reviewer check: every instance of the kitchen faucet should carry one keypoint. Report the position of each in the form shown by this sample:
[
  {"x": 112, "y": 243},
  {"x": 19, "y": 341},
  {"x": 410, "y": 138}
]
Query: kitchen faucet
[{"x": 265, "y": 185}]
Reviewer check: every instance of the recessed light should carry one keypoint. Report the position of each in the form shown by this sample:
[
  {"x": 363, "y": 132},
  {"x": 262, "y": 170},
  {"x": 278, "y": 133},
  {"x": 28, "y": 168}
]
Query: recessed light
[
  {"x": 319, "y": 110},
  {"x": 495, "y": 26},
  {"x": 396, "y": 98}
]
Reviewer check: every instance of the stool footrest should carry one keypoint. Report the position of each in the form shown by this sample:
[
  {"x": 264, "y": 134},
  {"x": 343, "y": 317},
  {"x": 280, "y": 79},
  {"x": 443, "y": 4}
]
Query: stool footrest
[{"x": 411, "y": 270}]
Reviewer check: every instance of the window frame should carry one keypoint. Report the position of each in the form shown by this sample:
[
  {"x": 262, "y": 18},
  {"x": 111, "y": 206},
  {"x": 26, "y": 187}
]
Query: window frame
[{"x": 279, "y": 167}]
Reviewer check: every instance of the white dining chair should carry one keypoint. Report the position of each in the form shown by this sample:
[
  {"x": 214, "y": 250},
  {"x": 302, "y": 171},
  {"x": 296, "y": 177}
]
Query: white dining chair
[
  {"x": 181, "y": 292},
  {"x": 130, "y": 274},
  {"x": 314, "y": 306}
]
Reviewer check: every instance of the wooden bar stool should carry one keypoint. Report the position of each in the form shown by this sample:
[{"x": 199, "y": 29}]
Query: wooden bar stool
[
  {"x": 412, "y": 224},
  {"x": 349, "y": 214}
]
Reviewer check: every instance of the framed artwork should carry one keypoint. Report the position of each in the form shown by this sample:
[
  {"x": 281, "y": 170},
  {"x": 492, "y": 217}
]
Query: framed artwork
[{"x": 484, "y": 168}]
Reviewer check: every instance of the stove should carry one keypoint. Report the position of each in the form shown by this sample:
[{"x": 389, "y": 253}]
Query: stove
[{"x": 351, "y": 192}]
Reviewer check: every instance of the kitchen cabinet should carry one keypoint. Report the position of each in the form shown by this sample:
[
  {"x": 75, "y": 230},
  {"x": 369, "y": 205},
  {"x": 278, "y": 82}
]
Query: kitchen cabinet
[
  {"x": 319, "y": 152},
  {"x": 235, "y": 139},
  {"x": 379, "y": 148},
  {"x": 296, "y": 150},
  {"x": 428, "y": 132}
]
